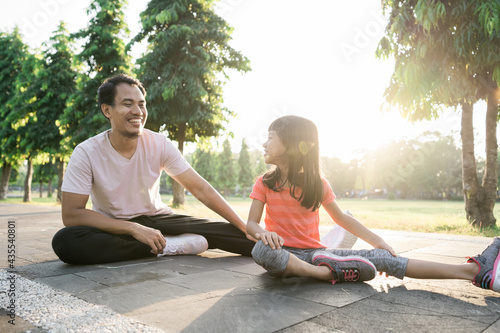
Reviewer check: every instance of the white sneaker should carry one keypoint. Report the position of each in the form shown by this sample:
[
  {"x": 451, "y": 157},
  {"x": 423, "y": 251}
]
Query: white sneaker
[
  {"x": 184, "y": 244},
  {"x": 339, "y": 238}
]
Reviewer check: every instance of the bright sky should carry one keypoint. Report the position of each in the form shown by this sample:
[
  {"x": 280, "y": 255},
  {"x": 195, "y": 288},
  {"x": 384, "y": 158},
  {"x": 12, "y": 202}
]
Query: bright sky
[{"x": 314, "y": 59}]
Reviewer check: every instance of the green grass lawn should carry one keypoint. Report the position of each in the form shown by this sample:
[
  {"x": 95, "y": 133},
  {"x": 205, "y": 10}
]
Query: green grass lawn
[{"x": 407, "y": 215}]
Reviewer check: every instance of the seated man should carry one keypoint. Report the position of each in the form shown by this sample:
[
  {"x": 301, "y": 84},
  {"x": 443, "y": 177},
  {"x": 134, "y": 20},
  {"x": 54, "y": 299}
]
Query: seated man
[{"x": 120, "y": 168}]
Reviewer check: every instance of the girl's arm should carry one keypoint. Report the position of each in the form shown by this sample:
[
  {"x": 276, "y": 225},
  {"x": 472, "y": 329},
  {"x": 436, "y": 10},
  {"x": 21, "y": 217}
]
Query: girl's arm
[
  {"x": 352, "y": 225},
  {"x": 256, "y": 231}
]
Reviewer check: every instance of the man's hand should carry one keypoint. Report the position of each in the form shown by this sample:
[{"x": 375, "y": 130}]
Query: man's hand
[
  {"x": 271, "y": 238},
  {"x": 152, "y": 237},
  {"x": 250, "y": 237}
]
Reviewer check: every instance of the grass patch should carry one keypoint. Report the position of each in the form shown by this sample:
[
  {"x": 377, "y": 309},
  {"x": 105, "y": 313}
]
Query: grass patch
[{"x": 405, "y": 215}]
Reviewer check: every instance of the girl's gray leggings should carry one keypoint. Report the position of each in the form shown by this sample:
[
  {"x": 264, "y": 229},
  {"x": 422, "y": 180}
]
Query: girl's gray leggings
[{"x": 275, "y": 261}]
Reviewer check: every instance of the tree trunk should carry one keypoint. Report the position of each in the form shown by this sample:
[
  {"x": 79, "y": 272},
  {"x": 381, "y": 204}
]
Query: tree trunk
[
  {"x": 490, "y": 178},
  {"x": 177, "y": 189},
  {"x": 27, "y": 181},
  {"x": 478, "y": 199},
  {"x": 4, "y": 188},
  {"x": 49, "y": 187},
  {"x": 60, "y": 176},
  {"x": 41, "y": 188}
]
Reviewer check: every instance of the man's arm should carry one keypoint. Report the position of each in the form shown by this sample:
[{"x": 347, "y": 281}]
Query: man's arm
[
  {"x": 74, "y": 213},
  {"x": 204, "y": 192}
]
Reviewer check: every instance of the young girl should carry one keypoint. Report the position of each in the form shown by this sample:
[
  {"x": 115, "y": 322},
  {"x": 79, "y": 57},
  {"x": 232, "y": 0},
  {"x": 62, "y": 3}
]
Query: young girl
[{"x": 290, "y": 243}]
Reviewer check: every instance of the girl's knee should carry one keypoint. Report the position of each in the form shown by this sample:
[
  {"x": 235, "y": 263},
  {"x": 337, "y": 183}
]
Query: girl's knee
[
  {"x": 274, "y": 261},
  {"x": 261, "y": 252}
]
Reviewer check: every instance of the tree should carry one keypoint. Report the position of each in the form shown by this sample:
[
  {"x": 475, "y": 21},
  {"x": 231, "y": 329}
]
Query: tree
[
  {"x": 12, "y": 54},
  {"x": 58, "y": 78},
  {"x": 448, "y": 54},
  {"x": 54, "y": 84},
  {"x": 23, "y": 113},
  {"x": 103, "y": 56},
  {"x": 184, "y": 70},
  {"x": 245, "y": 177},
  {"x": 44, "y": 173},
  {"x": 203, "y": 160},
  {"x": 226, "y": 178}
]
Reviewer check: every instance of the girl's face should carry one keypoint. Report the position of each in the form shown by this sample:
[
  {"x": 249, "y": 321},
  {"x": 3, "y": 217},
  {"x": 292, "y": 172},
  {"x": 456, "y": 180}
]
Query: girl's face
[{"x": 274, "y": 150}]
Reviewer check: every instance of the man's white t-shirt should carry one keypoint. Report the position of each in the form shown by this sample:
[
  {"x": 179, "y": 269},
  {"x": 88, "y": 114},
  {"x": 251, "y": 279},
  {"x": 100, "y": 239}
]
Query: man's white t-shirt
[{"x": 123, "y": 188}]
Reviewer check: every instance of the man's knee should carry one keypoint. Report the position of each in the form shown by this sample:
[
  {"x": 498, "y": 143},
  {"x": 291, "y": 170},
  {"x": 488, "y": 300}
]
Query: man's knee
[{"x": 65, "y": 242}]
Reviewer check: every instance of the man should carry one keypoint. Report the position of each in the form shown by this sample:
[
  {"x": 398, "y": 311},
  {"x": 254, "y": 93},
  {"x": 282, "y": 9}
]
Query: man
[{"x": 120, "y": 168}]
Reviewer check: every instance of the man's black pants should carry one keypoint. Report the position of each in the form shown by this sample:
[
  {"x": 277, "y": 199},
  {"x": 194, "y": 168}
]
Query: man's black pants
[{"x": 87, "y": 245}]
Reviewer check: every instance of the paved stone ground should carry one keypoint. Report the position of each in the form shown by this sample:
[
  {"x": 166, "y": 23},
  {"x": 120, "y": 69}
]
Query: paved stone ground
[{"x": 221, "y": 292}]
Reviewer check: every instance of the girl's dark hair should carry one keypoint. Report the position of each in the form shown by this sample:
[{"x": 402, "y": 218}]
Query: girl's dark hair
[{"x": 300, "y": 138}]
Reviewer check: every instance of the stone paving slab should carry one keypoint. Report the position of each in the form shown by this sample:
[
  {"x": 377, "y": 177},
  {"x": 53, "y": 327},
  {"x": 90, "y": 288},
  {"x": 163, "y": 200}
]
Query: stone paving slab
[
  {"x": 377, "y": 314},
  {"x": 223, "y": 292}
]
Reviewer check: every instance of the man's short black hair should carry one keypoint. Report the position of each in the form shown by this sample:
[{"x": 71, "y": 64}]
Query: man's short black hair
[{"x": 107, "y": 91}]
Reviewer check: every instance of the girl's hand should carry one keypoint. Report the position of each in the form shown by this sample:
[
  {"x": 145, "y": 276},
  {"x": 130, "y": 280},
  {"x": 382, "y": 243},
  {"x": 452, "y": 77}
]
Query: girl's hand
[
  {"x": 271, "y": 238},
  {"x": 385, "y": 246}
]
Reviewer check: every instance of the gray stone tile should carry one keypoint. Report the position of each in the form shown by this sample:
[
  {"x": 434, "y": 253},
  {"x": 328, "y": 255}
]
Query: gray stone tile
[
  {"x": 252, "y": 269},
  {"x": 52, "y": 268},
  {"x": 138, "y": 272},
  {"x": 442, "y": 302},
  {"x": 461, "y": 296},
  {"x": 494, "y": 328},
  {"x": 227, "y": 311},
  {"x": 373, "y": 315},
  {"x": 310, "y": 327},
  {"x": 337, "y": 295},
  {"x": 70, "y": 283},
  {"x": 134, "y": 296},
  {"x": 217, "y": 280}
]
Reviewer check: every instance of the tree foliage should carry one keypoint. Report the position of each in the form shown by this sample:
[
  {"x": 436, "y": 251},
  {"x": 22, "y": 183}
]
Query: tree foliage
[
  {"x": 103, "y": 56},
  {"x": 184, "y": 70},
  {"x": 448, "y": 54},
  {"x": 185, "y": 67},
  {"x": 14, "y": 61}
]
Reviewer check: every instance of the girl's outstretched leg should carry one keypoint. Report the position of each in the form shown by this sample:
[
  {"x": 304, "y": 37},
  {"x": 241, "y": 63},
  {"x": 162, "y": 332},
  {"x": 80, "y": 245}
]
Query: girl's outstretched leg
[
  {"x": 422, "y": 269},
  {"x": 483, "y": 270}
]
